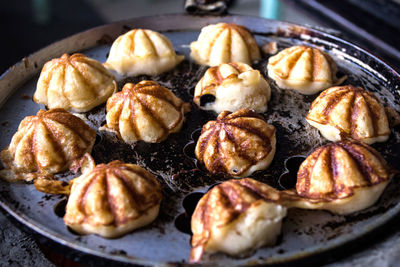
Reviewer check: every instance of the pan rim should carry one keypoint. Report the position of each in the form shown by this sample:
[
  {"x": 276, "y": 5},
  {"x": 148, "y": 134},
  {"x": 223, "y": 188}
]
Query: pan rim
[{"x": 53, "y": 235}]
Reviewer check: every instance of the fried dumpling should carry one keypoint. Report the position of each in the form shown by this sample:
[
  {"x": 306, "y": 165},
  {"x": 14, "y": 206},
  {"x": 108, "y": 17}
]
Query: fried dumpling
[
  {"x": 237, "y": 144},
  {"x": 141, "y": 51},
  {"x": 113, "y": 199},
  {"x": 224, "y": 43},
  {"x": 232, "y": 86},
  {"x": 48, "y": 143},
  {"x": 76, "y": 83},
  {"x": 302, "y": 68},
  {"x": 236, "y": 217},
  {"x": 342, "y": 177},
  {"x": 145, "y": 111},
  {"x": 349, "y": 112}
]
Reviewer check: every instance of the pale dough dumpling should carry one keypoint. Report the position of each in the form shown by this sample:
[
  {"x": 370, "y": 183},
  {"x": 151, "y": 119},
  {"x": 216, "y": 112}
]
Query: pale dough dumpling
[
  {"x": 75, "y": 83},
  {"x": 145, "y": 111},
  {"x": 342, "y": 177},
  {"x": 232, "y": 86},
  {"x": 142, "y": 51},
  {"x": 236, "y": 217},
  {"x": 113, "y": 199},
  {"x": 304, "y": 69},
  {"x": 237, "y": 144},
  {"x": 349, "y": 112},
  {"x": 48, "y": 143},
  {"x": 224, "y": 43}
]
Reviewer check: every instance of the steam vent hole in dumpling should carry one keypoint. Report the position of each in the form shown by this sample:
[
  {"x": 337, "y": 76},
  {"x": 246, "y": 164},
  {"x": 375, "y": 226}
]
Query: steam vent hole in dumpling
[{"x": 232, "y": 86}]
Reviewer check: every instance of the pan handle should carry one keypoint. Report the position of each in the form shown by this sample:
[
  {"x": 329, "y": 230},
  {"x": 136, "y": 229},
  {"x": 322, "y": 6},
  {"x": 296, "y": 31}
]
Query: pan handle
[{"x": 207, "y": 7}]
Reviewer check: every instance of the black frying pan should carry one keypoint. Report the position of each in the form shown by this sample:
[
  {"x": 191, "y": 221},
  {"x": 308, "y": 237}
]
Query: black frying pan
[{"x": 305, "y": 233}]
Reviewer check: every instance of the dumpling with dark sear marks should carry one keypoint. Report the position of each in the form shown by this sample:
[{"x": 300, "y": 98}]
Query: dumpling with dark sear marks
[
  {"x": 113, "y": 199},
  {"x": 76, "y": 83},
  {"x": 50, "y": 142},
  {"x": 304, "y": 69},
  {"x": 232, "y": 86},
  {"x": 237, "y": 144},
  {"x": 342, "y": 177},
  {"x": 236, "y": 217},
  {"x": 224, "y": 43},
  {"x": 349, "y": 112},
  {"x": 142, "y": 51},
  {"x": 145, "y": 111}
]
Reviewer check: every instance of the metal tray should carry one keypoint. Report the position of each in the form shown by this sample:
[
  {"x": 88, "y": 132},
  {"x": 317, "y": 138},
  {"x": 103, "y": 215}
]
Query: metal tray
[{"x": 305, "y": 233}]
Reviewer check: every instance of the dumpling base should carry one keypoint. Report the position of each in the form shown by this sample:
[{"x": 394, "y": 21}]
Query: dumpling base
[
  {"x": 259, "y": 226},
  {"x": 362, "y": 198},
  {"x": 333, "y": 134},
  {"x": 145, "y": 66},
  {"x": 302, "y": 86},
  {"x": 112, "y": 231}
]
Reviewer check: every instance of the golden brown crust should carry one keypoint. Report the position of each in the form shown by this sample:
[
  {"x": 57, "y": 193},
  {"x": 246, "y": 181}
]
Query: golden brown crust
[
  {"x": 235, "y": 142},
  {"x": 142, "y": 51},
  {"x": 354, "y": 112},
  {"x": 305, "y": 69},
  {"x": 223, "y": 204},
  {"x": 335, "y": 170},
  {"x": 75, "y": 82},
  {"x": 145, "y": 104},
  {"x": 110, "y": 197},
  {"x": 48, "y": 143},
  {"x": 224, "y": 43},
  {"x": 316, "y": 57}
]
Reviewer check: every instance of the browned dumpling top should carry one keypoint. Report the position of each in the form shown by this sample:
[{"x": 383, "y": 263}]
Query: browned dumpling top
[
  {"x": 334, "y": 170},
  {"x": 342, "y": 177},
  {"x": 224, "y": 43},
  {"x": 142, "y": 51},
  {"x": 349, "y": 112},
  {"x": 113, "y": 199},
  {"x": 235, "y": 217},
  {"x": 145, "y": 111},
  {"x": 237, "y": 143},
  {"x": 47, "y": 143},
  {"x": 302, "y": 68},
  {"x": 76, "y": 83}
]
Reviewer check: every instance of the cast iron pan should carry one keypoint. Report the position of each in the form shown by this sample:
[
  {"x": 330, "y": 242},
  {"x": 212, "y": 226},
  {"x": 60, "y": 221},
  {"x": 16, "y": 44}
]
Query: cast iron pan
[{"x": 305, "y": 233}]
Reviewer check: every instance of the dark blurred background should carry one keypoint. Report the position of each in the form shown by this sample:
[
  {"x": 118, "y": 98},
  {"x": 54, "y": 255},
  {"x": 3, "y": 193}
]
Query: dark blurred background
[{"x": 29, "y": 25}]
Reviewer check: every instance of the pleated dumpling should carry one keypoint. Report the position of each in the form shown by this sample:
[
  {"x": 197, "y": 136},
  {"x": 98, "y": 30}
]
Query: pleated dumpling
[
  {"x": 236, "y": 217},
  {"x": 232, "y": 86},
  {"x": 342, "y": 177},
  {"x": 349, "y": 112},
  {"x": 302, "y": 68},
  {"x": 237, "y": 144},
  {"x": 113, "y": 199},
  {"x": 141, "y": 51},
  {"x": 48, "y": 143},
  {"x": 76, "y": 83},
  {"x": 224, "y": 43},
  {"x": 145, "y": 111}
]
